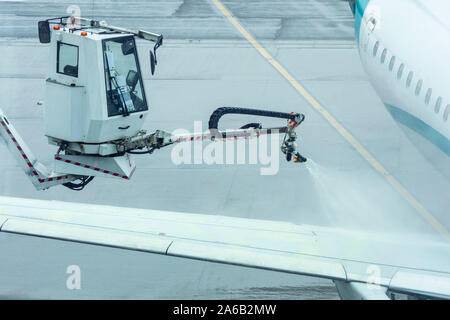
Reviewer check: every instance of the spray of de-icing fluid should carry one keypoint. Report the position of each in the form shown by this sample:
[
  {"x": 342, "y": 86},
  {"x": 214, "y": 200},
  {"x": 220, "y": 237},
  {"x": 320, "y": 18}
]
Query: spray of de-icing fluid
[{"x": 348, "y": 200}]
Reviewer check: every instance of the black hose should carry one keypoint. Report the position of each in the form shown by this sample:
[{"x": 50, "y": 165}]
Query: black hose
[
  {"x": 142, "y": 152},
  {"x": 220, "y": 112},
  {"x": 84, "y": 180},
  {"x": 253, "y": 125}
]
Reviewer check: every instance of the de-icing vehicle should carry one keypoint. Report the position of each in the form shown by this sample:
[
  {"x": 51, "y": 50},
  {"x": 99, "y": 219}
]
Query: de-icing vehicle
[{"x": 95, "y": 107}]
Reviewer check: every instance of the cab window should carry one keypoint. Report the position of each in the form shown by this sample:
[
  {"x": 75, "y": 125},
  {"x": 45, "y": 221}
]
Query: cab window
[
  {"x": 124, "y": 90},
  {"x": 67, "y": 59}
]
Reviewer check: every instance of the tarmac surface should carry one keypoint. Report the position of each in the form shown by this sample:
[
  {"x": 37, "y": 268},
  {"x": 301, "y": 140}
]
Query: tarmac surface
[{"x": 205, "y": 63}]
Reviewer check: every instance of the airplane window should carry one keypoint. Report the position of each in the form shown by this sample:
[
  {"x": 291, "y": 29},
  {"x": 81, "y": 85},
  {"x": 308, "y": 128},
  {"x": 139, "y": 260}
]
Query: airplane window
[
  {"x": 409, "y": 79},
  {"x": 392, "y": 63},
  {"x": 418, "y": 87},
  {"x": 375, "y": 48},
  {"x": 400, "y": 71},
  {"x": 446, "y": 112},
  {"x": 428, "y": 95},
  {"x": 383, "y": 56},
  {"x": 437, "y": 106}
]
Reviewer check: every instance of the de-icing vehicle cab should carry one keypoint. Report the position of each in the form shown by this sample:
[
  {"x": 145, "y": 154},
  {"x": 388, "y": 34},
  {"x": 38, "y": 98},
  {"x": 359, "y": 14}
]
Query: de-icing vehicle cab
[{"x": 94, "y": 90}]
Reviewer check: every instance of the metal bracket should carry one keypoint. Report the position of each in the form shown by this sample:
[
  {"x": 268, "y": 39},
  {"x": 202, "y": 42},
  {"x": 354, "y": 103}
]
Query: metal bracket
[{"x": 360, "y": 291}]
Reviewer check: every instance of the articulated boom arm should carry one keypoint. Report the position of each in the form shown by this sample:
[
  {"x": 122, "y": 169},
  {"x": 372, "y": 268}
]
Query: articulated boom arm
[
  {"x": 84, "y": 161},
  {"x": 39, "y": 175},
  {"x": 160, "y": 138}
]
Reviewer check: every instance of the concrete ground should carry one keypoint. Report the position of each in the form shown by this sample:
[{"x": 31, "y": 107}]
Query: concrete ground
[{"x": 204, "y": 64}]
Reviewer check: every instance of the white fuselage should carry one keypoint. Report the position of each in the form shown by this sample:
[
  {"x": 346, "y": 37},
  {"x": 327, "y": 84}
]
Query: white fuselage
[{"x": 405, "y": 49}]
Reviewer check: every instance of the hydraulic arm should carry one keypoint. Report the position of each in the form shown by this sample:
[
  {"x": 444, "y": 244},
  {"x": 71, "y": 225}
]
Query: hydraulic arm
[{"x": 147, "y": 143}]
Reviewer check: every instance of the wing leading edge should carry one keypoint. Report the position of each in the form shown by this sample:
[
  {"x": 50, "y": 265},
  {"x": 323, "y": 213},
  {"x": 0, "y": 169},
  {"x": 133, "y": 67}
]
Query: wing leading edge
[{"x": 402, "y": 264}]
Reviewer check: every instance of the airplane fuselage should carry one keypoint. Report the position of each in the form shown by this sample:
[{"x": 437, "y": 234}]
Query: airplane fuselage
[{"x": 405, "y": 48}]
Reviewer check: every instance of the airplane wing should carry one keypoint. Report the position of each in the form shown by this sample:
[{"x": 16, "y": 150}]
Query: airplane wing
[{"x": 363, "y": 265}]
